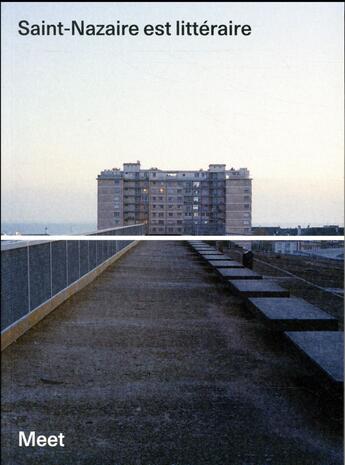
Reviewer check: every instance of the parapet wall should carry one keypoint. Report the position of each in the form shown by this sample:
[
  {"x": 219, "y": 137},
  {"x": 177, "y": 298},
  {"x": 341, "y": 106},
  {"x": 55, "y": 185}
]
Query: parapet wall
[{"x": 38, "y": 276}]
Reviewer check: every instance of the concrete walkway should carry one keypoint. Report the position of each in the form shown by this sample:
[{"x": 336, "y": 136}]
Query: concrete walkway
[{"x": 156, "y": 363}]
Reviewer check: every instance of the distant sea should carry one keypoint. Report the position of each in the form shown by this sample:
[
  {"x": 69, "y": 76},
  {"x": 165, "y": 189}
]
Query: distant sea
[{"x": 47, "y": 228}]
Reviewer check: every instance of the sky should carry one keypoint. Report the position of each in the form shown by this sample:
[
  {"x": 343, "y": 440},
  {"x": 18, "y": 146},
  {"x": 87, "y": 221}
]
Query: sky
[{"x": 271, "y": 102}]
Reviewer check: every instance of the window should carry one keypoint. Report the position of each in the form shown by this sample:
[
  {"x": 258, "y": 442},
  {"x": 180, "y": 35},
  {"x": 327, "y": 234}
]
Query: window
[{"x": 116, "y": 214}]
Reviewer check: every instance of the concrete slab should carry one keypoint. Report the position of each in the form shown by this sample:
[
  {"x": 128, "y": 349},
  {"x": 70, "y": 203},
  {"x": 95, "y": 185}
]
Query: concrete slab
[
  {"x": 207, "y": 251},
  {"x": 218, "y": 256},
  {"x": 225, "y": 264},
  {"x": 257, "y": 288},
  {"x": 238, "y": 273},
  {"x": 200, "y": 249},
  {"x": 325, "y": 349},
  {"x": 292, "y": 314},
  {"x": 210, "y": 254},
  {"x": 203, "y": 247}
]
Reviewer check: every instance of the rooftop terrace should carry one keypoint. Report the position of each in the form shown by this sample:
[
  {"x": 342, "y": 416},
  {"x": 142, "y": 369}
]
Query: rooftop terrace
[{"x": 156, "y": 362}]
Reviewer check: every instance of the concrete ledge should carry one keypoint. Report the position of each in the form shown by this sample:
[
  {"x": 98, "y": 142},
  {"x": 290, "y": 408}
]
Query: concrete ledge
[
  {"x": 238, "y": 273},
  {"x": 225, "y": 264},
  {"x": 325, "y": 349},
  {"x": 18, "y": 328},
  {"x": 257, "y": 288},
  {"x": 291, "y": 314}
]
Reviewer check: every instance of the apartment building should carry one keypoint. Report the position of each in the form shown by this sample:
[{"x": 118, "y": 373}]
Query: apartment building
[{"x": 201, "y": 202}]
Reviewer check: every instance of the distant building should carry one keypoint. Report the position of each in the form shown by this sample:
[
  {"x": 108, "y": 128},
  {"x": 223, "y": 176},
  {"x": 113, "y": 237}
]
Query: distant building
[
  {"x": 287, "y": 247},
  {"x": 324, "y": 249},
  {"x": 300, "y": 247},
  {"x": 214, "y": 201},
  {"x": 326, "y": 230}
]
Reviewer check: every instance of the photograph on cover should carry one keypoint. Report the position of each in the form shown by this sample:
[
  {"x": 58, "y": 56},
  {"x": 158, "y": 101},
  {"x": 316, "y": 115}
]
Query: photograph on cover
[{"x": 172, "y": 233}]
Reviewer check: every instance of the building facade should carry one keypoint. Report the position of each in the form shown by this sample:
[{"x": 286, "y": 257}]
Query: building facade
[{"x": 203, "y": 202}]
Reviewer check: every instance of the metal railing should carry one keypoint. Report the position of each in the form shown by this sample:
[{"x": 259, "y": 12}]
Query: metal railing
[{"x": 34, "y": 272}]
